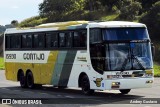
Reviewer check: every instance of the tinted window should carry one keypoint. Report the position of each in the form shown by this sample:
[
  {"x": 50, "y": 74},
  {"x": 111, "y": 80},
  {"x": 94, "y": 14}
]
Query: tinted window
[
  {"x": 68, "y": 39},
  {"x": 95, "y": 35},
  {"x": 62, "y": 40},
  {"x": 39, "y": 41},
  {"x": 15, "y": 41},
  {"x": 80, "y": 39},
  {"x": 26, "y": 41},
  {"x": 7, "y": 41},
  {"x": 125, "y": 34},
  {"x": 51, "y": 40}
]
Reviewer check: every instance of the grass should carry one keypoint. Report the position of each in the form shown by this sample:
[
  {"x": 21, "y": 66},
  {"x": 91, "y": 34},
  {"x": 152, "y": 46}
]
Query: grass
[
  {"x": 156, "y": 70},
  {"x": 1, "y": 63}
]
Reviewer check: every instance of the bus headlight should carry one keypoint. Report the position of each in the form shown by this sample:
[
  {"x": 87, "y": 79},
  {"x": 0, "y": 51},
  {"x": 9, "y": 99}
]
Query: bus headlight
[{"x": 115, "y": 85}]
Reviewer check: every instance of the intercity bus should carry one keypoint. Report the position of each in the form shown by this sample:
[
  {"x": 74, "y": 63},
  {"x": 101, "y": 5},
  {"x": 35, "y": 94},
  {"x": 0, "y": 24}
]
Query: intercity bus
[{"x": 113, "y": 55}]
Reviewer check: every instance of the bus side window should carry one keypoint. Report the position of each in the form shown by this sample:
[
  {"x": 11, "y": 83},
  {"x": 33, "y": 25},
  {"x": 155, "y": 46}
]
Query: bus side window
[
  {"x": 51, "y": 40},
  {"x": 39, "y": 41},
  {"x": 26, "y": 41},
  {"x": 95, "y": 35},
  {"x": 62, "y": 40},
  {"x": 15, "y": 41},
  {"x": 68, "y": 37},
  {"x": 80, "y": 39},
  {"x": 7, "y": 42}
]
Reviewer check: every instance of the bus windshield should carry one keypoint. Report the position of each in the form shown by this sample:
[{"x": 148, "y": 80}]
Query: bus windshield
[
  {"x": 119, "y": 49},
  {"x": 125, "y": 34},
  {"x": 121, "y": 56}
]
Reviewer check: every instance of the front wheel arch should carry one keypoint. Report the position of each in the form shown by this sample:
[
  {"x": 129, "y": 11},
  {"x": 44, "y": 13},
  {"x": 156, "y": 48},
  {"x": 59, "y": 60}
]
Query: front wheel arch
[{"x": 85, "y": 85}]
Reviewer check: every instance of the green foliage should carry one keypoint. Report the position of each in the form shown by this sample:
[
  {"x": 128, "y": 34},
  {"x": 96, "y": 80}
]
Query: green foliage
[
  {"x": 110, "y": 17},
  {"x": 60, "y": 10},
  {"x": 1, "y": 63},
  {"x": 33, "y": 21},
  {"x": 157, "y": 51},
  {"x": 147, "y": 4},
  {"x": 152, "y": 20},
  {"x": 129, "y": 10},
  {"x": 156, "y": 70}
]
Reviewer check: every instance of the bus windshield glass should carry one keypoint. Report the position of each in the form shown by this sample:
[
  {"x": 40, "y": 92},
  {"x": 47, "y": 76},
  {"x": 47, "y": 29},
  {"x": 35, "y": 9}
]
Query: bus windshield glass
[
  {"x": 121, "y": 56},
  {"x": 125, "y": 34},
  {"x": 120, "y": 49}
]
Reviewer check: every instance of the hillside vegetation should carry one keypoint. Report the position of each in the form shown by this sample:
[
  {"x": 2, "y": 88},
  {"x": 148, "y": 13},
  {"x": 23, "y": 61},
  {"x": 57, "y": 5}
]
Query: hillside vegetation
[{"x": 144, "y": 11}]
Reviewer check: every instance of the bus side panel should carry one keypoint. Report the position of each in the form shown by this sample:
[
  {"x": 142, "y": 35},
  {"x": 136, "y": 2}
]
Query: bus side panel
[
  {"x": 58, "y": 67},
  {"x": 36, "y": 73},
  {"x": 63, "y": 68},
  {"x": 47, "y": 70},
  {"x": 10, "y": 71},
  {"x": 67, "y": 67},
  {"x": 81, "y": 65}
]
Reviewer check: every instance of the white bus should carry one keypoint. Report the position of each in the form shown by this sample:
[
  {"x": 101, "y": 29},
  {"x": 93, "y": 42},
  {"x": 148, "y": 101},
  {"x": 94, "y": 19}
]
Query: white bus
[{"x": 112, "y": 55}]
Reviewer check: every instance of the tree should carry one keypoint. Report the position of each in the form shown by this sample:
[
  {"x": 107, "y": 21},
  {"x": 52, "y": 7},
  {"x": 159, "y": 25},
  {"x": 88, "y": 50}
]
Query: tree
[
  {"x": 129, "y": 9},
  {"x": 56, "y": 9},
  {"x": 14, "y": 23},
  {"x": 32, "y": 21},
  {"x": 147, "y": 4},
  {"x": 152, "y": 20},
  {"x": 110, "y": 3}
]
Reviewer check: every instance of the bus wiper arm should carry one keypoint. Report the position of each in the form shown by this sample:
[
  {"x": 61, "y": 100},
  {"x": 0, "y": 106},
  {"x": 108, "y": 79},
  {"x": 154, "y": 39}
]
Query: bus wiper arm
[{"x": 138, "y": 62}]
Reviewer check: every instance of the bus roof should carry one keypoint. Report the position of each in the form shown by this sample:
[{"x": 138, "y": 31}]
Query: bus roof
[{"x": 70, "y": 25}]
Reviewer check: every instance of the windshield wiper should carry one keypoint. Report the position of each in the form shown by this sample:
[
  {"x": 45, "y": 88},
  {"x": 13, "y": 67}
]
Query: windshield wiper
[
  {"x": 132, "y": 57},
  {"x": 138, "y": 62}
]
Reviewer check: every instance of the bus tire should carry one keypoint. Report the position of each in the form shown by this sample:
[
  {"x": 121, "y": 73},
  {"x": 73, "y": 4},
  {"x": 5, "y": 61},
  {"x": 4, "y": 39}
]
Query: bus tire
[
  {"x": 125, "y": 91},
  {"x": 30, "y": 80},
  {"x": 22, "y": 80},
  {"x": 85, "y": 85}
]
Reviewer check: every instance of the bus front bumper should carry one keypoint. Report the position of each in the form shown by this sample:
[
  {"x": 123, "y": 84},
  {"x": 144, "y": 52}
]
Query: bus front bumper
[{"x": 128, "y": 83}]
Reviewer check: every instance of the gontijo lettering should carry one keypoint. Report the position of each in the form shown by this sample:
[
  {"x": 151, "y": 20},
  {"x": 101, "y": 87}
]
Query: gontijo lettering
[{"x": 33, "y": 56}]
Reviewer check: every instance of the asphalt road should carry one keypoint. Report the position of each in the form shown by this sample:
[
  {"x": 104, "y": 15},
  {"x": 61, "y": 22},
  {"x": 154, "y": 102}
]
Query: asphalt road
[{"x": 75, "y": 98}]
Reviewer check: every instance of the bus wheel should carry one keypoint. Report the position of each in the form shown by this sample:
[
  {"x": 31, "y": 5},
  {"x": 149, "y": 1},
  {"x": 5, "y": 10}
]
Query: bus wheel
[
  {"x": 125, "y": 91},
  {"x": 30, "y": 80},
  {"x": 86, "y": 86},
  {"x": 22, "y": 80}
]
